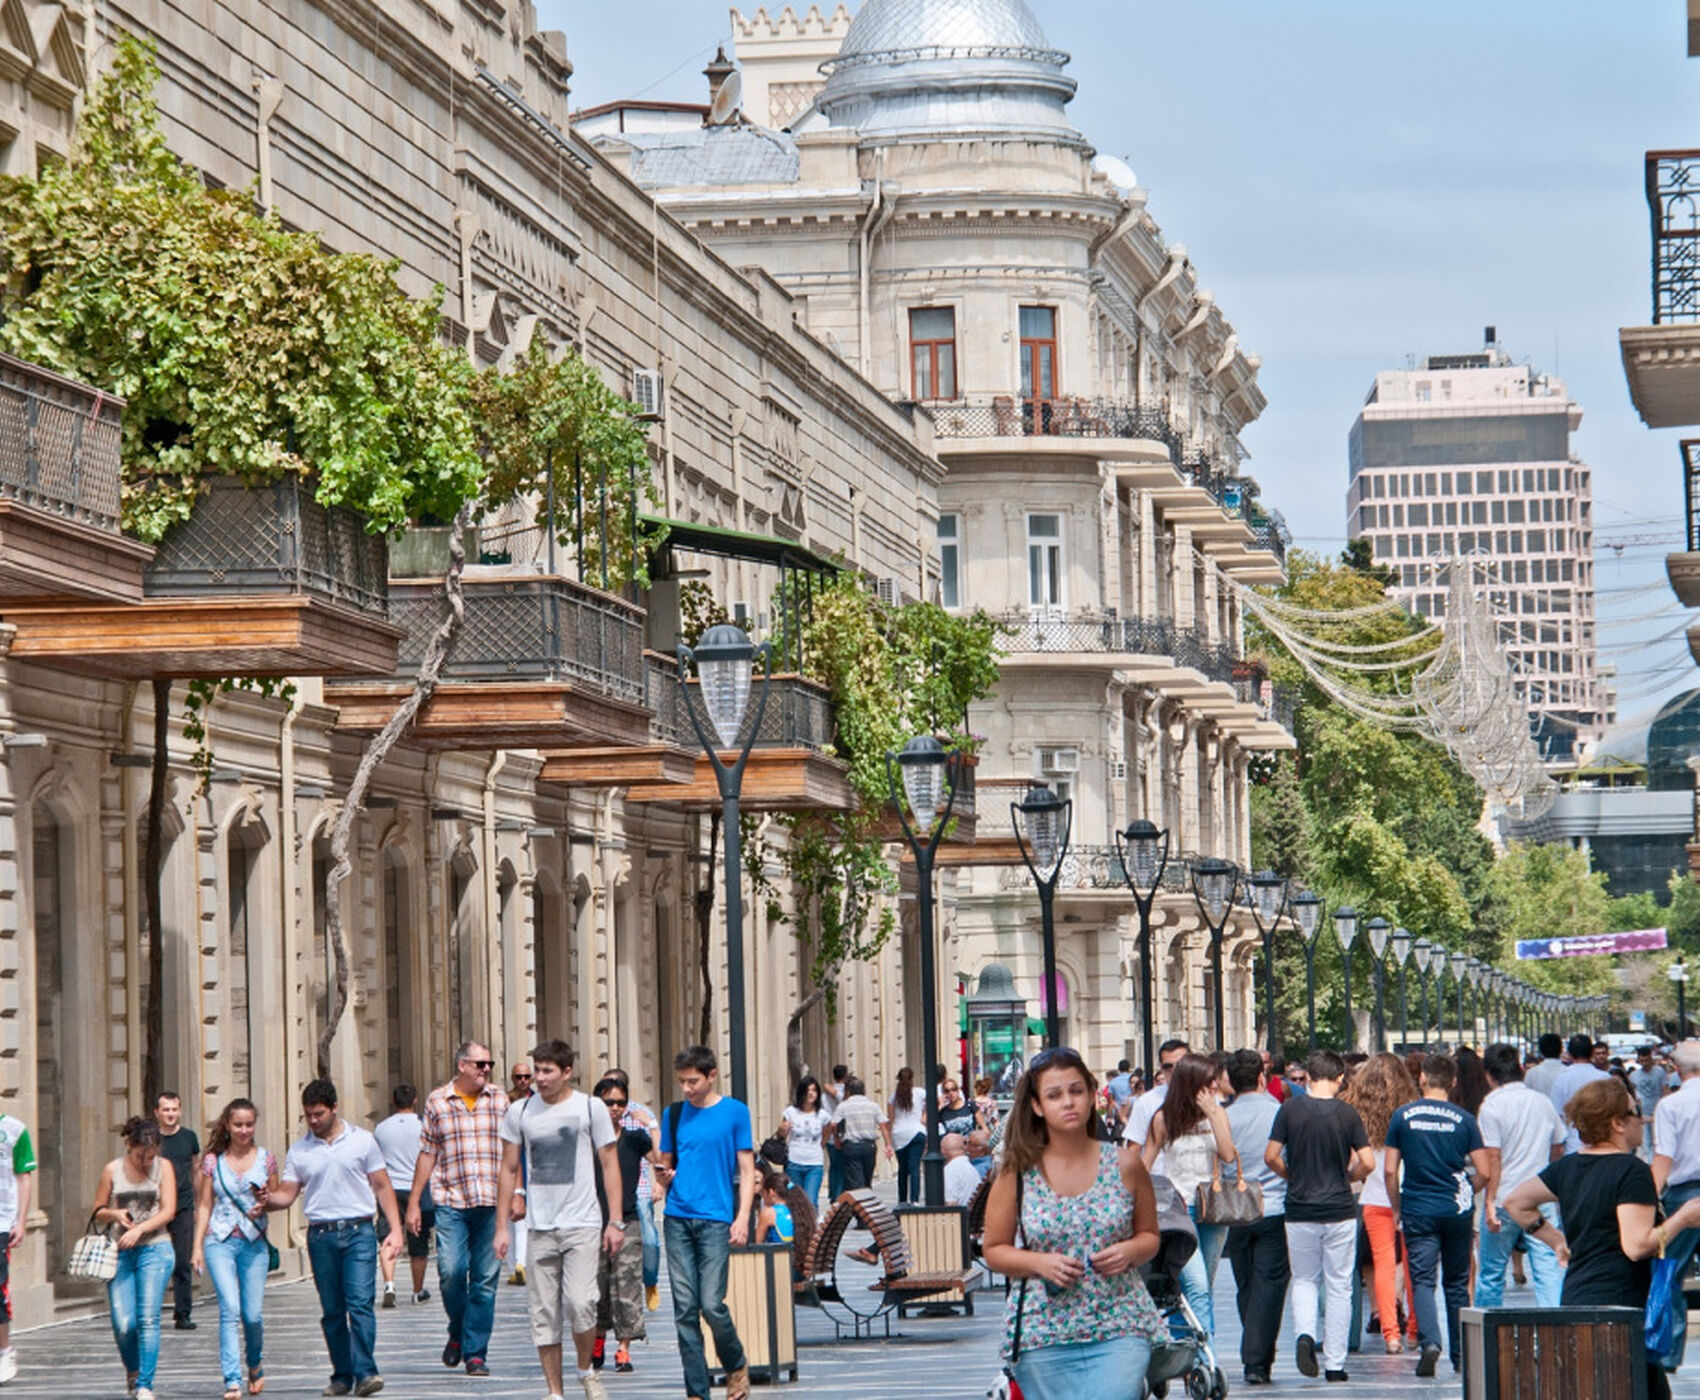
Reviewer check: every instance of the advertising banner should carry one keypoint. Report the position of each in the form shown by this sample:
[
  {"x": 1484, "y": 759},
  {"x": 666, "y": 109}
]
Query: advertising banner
[{"x": 1646, "y": 940}]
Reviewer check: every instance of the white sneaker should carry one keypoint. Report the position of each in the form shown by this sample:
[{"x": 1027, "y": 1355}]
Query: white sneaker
[
  {"x": 143, "y": 1393},
  {"x": 8, "y": 1365},
  {"x": 593, "y": 1388}
]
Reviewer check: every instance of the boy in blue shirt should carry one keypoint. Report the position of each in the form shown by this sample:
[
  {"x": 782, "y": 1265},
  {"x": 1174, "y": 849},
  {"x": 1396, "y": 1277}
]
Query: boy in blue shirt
[{"x": 705, "y": 1143}]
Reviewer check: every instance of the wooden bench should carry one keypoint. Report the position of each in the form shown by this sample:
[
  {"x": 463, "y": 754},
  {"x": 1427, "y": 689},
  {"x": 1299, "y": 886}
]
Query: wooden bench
[
  {"x": 1554, "y": 1354},
  {"x": 941, "y": 1262},
  {"x": 841, "y": 1292}
]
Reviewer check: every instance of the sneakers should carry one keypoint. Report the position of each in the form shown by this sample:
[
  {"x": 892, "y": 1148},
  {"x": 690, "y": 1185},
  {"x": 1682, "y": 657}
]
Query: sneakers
[
  {"x": 143, "y": 1393},
  {"x": 1428, "y": 1360},
  {"x": 336, "y": 1388},
  {"x": 8, "y": 1365},
  {"x": 422, "y": 1296},
  {"x": 596, "y": 1355},
  {"x": 1336, "y": 1376},
  {"x": 451, "y": 1354},
  {"x": 1307, "y": 1357},
  {"x": 389, "y": 1295},
  {"x": 518, "y": 1275},
  {"x": 593, "y": 1387},
  {"x": 370, "y": 1386},
  {"x": 475, "y": 1367},
  {"x": 623, "y": 1360},
  {"x": 652, "y": 1297}
]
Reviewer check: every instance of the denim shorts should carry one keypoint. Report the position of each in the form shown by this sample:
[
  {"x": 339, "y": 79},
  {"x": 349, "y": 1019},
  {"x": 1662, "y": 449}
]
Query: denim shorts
[{"x": 1109, "y": 1370}]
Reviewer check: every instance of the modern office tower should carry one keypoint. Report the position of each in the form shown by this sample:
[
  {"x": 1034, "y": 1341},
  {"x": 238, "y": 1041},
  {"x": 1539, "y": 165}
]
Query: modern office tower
[{"x": 1468, "y": 456}]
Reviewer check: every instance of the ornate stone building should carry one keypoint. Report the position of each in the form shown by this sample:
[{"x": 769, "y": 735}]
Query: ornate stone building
[
  {"x": 501, "y": 890},
  {"x": 912, "y": 177}
]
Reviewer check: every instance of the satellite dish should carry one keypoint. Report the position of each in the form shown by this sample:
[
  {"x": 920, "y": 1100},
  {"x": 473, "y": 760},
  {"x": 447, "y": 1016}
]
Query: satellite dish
[
  {"x": 1117, "y": 171},
  {"x": 726, "y": 102}
]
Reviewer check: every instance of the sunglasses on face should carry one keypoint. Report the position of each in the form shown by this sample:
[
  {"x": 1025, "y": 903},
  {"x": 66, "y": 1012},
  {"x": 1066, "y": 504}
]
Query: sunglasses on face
[
  {"x": 615, "y": 1103},
  {"x": 485, "y": 1065},
  {"x": 522, "y": 1079}
]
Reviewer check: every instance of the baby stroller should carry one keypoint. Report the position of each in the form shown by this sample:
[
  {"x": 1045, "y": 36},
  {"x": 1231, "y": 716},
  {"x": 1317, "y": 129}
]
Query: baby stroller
[{"x": 1187, "y": 1357}]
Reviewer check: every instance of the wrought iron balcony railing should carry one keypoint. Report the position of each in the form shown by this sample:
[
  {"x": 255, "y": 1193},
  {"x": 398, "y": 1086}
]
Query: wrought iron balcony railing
[
  {"x": 528, "y": 628},
  {"x": 59, "y": 444},
  {"x": 1673, "y": 201},
  {"x": 798, "y": 715},
  {"x": 1105, "y": 633},
  {"x": 1691, "y": 490},
  {"x": 1098, "y": 868}
]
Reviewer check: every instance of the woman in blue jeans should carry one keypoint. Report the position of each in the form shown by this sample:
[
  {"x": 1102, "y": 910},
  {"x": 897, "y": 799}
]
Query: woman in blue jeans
[
  {"x": 908, "y": 1134},
  {"x": 135, "y": 1200},
  {"x": 803, "y": 1126},
  {"x": 230, "y": 1240},
  {"x": 1080, "y": 1322}
]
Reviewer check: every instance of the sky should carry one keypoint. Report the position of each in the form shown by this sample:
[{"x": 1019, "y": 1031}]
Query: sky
[{"x": 1360, "y": 183}]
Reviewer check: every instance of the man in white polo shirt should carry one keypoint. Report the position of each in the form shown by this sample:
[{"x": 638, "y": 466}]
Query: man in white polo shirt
[
  {"x": 1169, "y": 1054},
  {"x": 338, "y": 1171},
  {"x": 1676, "y": 1171}
]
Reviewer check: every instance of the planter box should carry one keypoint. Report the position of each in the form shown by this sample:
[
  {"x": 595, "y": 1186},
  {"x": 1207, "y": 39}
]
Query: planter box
[
  {"x": 759, "y": 1297},
  {"x": 272, "y": 541},
  {"x": 1554, "y": 1354}
]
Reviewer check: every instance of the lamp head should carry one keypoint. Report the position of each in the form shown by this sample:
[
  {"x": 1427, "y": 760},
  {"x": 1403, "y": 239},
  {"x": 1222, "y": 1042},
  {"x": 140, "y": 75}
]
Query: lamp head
[
  {"x": 1400, "y": 938},
  {"x": 1042, "y": 813},
  {"x": 1307, "y": 913},
  {"x": 1346, "y": 925},
  {"x": 1268, "y": 894},
  {"x": 724, "y": 657},
  {"x": 1143, "y": 854},
  {"x": 1422, "y": 951},
  {"x": 922, "y": 763},
  {"x": 1458, "y": 960},
  {"x": 1376, "y": 930},
  {"x": 1213, "y": 882}
]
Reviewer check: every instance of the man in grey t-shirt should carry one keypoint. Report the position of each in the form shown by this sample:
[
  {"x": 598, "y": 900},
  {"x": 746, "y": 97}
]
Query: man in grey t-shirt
[{"x": 1257, "y": 1253}]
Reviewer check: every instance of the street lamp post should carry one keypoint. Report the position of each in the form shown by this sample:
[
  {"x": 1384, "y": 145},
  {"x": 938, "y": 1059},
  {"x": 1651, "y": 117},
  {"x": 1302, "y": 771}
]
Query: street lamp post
[
  {"x": 1459, "y": 962},
  {"x": 1307, "y": 912},
  {"x": 1213, "y": 885},
  {"x": 1346, "y": 929},
  {"x": 1145, "y": 854},
  {"x": 1401, "y": 942},
  {"x": 725, "y": 661},
  {"x": 1678, "y": 975},
  {"x": 1423, "y": 952},
  {"x": 929, "y": 777},
  {"x": 1042, "y": 821},
  {"x": 1376, "y": 930},
  {"x": 1268, "y": 896},
  {"x": 1475, "y": 970}
]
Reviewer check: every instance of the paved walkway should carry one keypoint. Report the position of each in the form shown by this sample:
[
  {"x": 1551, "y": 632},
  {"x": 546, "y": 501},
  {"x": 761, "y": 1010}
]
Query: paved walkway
[{"x": 947, "y": 1359}]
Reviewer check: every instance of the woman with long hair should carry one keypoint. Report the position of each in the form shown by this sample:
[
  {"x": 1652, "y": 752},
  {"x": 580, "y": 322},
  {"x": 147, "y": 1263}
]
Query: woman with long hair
[
  {"x": 1087, "y": 1221},
  {"x": 802, "y": 1125},
  {"x": 230, "y": 1240},
  {"x": 135, "y": 1200},
  {"x": 908, "y": 1134},
  {"x": 1192, "y": 1132},
  {"x": 1381, "y": 1086},
  {"x": 1471, "y": 1086},
  {"x": 1610, "y": 1207}
]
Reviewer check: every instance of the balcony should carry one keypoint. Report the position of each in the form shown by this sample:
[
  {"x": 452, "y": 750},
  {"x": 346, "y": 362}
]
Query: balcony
[
  {"x": 59, "y": 490},
  {"x": 790, "y": 768},
  {"x": 258, "y": 581},
  {"x": 1124, "y": 642},
  {"x": 1662, "y": 361},
  {"x": 1683, "y": 570},
  {"x": 539, "y": 662}
]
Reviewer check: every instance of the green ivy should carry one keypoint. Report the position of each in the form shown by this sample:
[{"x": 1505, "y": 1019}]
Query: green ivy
[
  {"x": 198, "y": 703},
  {"x": 241, "y": 347}
]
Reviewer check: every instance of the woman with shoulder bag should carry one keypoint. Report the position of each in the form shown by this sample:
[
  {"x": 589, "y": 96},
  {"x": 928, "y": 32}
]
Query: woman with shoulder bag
[
  {"x": 135, "y": 1200},
  {"x": 230, "y": 1240},
  {"x": 1082, "y": 1323},
  {"x": 1191, "y": 1130}
]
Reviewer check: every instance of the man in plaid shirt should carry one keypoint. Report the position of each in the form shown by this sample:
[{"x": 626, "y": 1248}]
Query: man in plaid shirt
[{"x": 460, "y": 1156}]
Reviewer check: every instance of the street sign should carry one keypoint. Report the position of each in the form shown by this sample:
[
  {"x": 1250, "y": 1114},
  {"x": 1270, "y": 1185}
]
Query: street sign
[{"x": 1644, "y": 940}]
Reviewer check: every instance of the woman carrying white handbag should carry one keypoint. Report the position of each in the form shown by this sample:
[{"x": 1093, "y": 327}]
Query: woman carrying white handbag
[{"x": 135, "y": 1200}]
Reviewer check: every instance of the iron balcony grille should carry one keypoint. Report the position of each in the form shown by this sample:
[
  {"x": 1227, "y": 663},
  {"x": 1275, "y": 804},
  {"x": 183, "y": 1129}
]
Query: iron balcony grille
[
  {"x": 1108, "y": 634},
  {"x": 1673, "y": 201},
  {"x": 1098, "y": 868},
  {"x": 529, "y": 629},
  {"x": 266, "y": 540},
  {"x": 59, "y": 445},
  {"x": 798, "y": 716},
  {"x": 1691, "y": 490}
]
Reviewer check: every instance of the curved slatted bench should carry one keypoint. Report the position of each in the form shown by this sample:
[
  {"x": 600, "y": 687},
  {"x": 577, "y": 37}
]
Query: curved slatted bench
[{"x": 857, "y": 1288}]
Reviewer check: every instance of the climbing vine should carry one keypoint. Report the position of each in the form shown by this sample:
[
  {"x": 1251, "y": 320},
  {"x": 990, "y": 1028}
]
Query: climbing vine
[{"x": 203, "y": 693}]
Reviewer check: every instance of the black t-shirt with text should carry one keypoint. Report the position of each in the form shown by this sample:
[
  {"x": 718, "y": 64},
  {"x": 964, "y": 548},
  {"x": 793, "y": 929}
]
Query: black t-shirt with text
[
  {"x": 1321, "y": 1137},
  {"x": 1590, "y": 1186}
]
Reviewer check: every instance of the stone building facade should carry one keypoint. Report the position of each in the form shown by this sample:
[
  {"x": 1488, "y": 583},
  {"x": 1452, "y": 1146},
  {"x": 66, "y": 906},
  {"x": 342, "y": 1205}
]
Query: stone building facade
[
  {"x": 912, "y": 177},
  {"x": 486, "y": 901}
]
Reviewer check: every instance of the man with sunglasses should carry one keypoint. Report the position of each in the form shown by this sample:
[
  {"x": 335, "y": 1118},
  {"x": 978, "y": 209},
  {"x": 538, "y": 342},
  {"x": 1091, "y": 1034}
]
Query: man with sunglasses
[
  {"x": 519, "y": 1089},
  {"x": 460, "y": 1157}
]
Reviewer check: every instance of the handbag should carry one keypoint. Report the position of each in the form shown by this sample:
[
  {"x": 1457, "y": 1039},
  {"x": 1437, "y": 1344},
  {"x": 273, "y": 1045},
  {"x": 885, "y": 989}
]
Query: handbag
[
  {"x": 94, "y": 1256},
  {"x": 1240, "y": 1203},
  {"x": 1659, "y": 1318}
]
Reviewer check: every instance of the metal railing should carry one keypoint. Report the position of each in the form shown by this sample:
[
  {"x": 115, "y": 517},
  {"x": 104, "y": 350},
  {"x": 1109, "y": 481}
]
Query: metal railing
[
  {"x": 1673, "y": 201},
  {"x": 1269, "y": 529},
  {"x": 798, "y": 715},
  {"x": 528, "y": 629},
  {"x": 59, "y": 444},
  {"x": 270, "y": 540},
  {"x": 1108, "y": 634},
  {"x": 1691, "y": 490},
  {"x": 1099, "y": 868}
]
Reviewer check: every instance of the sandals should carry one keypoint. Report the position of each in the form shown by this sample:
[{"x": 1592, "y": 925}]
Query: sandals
[
  {"x": 233, "y": 1392},
  {"x": 256, "y": 1381}
]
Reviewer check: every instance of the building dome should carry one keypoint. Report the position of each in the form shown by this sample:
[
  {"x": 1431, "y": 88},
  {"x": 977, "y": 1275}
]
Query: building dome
[{"x": 926, "y": 69}]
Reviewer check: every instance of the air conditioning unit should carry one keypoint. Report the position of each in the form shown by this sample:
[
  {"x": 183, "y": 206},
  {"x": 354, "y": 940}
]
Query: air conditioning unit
[
  {"x": 646, "y": 392},
  {"x": 889, "y": 591},
  {"x": 1058, "y": 763}
]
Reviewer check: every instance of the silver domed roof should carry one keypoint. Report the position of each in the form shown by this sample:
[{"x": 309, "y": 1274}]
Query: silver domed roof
[{"x": 923, "y": 69}]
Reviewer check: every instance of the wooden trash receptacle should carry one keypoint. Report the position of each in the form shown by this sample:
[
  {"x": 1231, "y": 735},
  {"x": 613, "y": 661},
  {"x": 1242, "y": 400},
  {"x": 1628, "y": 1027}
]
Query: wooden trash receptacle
[
  {"x": 764, "y": 1310},
  {"x": 1554, "y": 1354},
  {"x": 942, "y": 1270}
]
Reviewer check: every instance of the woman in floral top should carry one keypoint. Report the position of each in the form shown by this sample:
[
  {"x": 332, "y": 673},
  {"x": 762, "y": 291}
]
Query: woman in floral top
[
  {"x": 230, "y": 1239},
  {"x": 1087, "y": 1223}
]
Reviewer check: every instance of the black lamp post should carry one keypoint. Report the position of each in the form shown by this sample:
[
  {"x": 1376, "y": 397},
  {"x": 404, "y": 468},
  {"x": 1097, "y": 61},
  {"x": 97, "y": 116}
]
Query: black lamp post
[
  {"x": 1346, "y": 930},
  {"x": 1376, "y": 930},
  {"x": 1042, "y": 821},
  {"x": 1400, "y": 941},
  {"x": 725, "y": 657},
  {"x": 1678, "y": 975},
  {"x": 1459, "y": 962},
  {"x": 1145, "y": 855},
  {"x": 1474, "y": 971},
  {"x": 1422, "y": 951},
  {"x": 1307, "y": 913},
  {"x": 1213, "y": 885},
  {"x": 929, "y": 777},
  {"x": 1268, "y": 896}
]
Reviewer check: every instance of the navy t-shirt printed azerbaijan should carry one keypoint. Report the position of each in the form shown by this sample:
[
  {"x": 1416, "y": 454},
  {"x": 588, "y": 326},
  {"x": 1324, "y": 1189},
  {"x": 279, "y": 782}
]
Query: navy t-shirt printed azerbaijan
[
  {"x": 1435, "y": 1140},
  {"x": 706, "y": 1159}
]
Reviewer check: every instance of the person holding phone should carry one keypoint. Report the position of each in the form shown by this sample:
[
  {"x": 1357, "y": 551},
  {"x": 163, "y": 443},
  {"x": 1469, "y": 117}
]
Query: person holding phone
[
  {"x": 230, "y": 1240},
  {"x": 135, "y": 1200}
]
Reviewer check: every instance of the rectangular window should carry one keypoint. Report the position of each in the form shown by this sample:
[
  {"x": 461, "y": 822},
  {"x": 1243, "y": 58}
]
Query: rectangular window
[
  {"x": 1044, "y": 561},
  {"x": 950, "y": 561},
  {"x": 932, "y": 350},
  {"x": 1038, "y": 365}
]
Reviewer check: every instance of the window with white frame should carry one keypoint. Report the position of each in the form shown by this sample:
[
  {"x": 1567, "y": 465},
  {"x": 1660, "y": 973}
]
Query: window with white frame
[
  {"x": 1044, "y": 561},
  {"x": 950, "y": 561}
]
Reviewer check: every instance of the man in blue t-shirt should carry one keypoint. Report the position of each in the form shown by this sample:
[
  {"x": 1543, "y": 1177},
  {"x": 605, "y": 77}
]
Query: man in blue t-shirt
[
  {"x": 1437, "y": 1143},
  {"x": 706, "y": 1144}
]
